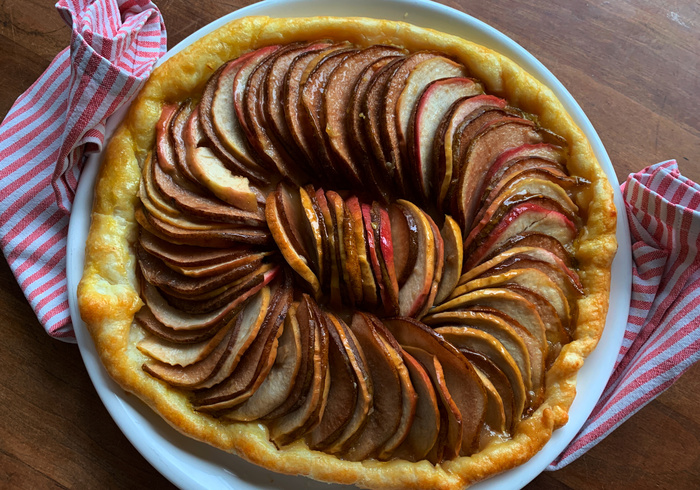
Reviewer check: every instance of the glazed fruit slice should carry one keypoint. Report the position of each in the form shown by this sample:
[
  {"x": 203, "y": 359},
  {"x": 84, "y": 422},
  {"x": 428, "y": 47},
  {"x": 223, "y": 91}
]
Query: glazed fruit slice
[
  {"x": 381, "y": 256},
  {"x": 337, "y": 96},
  {"x": 370, "y": 294},
  {"x": 312, "y": 228},
  {"x": 383, "y": 421},
  {"x": 454, "y": 255},
  {"x": 350, "y": 280},
  {"x": 404, "y": 236},
  {"x": 461, "y": 380},
  {"x": 278, "y": 384},
  {"x": 414, "y": 293},
  {"x": 345, "y": 390},
  {"x": 435, "y": 101},
  {"x": 332, "y": 280},
  {"x": 425, "y": 429},
  {"x": 447, "y": 134}
]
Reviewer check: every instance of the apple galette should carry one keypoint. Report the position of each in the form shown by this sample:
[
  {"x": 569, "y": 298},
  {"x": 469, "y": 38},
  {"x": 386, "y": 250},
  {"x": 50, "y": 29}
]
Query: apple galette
[{"x": 350, "y": 249}]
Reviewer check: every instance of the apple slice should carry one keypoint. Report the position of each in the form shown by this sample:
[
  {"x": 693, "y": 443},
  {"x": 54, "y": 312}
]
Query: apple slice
[
  {"x": 524, "y": 217},
  {"x": 536, "y": 240},
  {"x": 424, "y": 431},
  {"x": 225, "y": 122},
  {"x": 498, "y": 328},
  {"x": 230, "y": 161},
  {"x": 241, "y": 332},
  {"x": 447, "y": 133},
  {"x": 312, "y": 228},
  {"x": 365, "y": 389},
  {"x": 290, "y": 427},
  {"x": 404, "y": 236},
  {"x": 177, "y": 130},
  {"x": 439, "y": 263},
  {"x": 210, "y": 171},
  {"x": 491, "y": 141},
  {"x": 237, "y": 382},
  {"x": 327, "y": 218},
  {"x": 344, "y": 394},
  {"x": 347, "y": 258},
  {"x": 435, "y": 101},
  {"x": 538, "y": 189},
  {"x": 385, "y": 255},
  {"x": 370, "y": 294},
  {"x": 413, "y": 295},
  {"x": 178, "y": 354},
  {"x": 183, "y": 194},
  {"x": 294, "y": 80},
  {"x": 274, "y": 94},
  {"x": 352, "y": 274},
  {"x": 312, "y": 100},
  {"x": 462, "y": 382},
  {"x": 337, "y": 96},
  {"x": 304, "y": 317},
  {"x": 495, "y": 419},
  {"x": 383, "y": 421},
  {"x": 454, "y": 255},
  {"x": 360, "y": 126},
  {"x": 279, "y": 382},
  {"x": 291, "y": 251},
  {"x": 164, "y": 144}
]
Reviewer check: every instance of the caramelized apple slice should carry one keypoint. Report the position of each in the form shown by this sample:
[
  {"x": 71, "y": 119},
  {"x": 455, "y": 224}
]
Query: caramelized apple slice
[
  {"x": 177, "y": 131},
  {"x": 470, "y": 339},
  {"x": 292, "y": 426},
  {"x": 365, "y": 388},
  {"x": 495, "y": 420},
  {"x": 435, "y": 101},
  {"x": 370, "y": 295},
  {"x": 312, "y": 228},
  {"x": 413, "y": 295},
  {"x": 447, "y": 133},
  {"x": 452, "y": 269},
  {"x": 404, "y": 236},
  {"x": 536, "y": 240},
  {"x": 352, "y": 273},
  {"x": 225, "y": 356},
  {"x": 331, "y": 249},
  {"x": 461, "y": 380},
  {"x": 345, "y": 390},
  {"x": 424, "y": 431},
  {"x": 496, "y": 137},
  {"x": 337, "y": 209},
  {"x": 278, "y": 384},
  {"x": 383, "y": 421},
  {"x": 233, "y": 386},
  {"x": 337, "y": 96},
  {"x": 282, "y": 236}
]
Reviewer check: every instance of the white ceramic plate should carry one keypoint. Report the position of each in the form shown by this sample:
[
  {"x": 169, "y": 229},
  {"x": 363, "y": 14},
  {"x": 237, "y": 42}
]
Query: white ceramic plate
[{"x": 193, "y": 465}]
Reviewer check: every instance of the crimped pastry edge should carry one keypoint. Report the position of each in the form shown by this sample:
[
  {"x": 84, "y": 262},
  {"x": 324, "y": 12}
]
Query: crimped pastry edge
[{"x": 108, "y": 297}]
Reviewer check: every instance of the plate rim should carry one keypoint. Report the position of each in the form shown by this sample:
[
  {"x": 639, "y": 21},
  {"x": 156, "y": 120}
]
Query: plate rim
[{"x": 149, "y": 434}]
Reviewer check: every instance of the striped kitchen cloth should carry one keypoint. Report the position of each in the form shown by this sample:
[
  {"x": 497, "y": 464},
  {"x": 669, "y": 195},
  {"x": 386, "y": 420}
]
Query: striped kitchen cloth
[
  {"x": 662, "y": 338},
  {"x": 49, "y": 130}
]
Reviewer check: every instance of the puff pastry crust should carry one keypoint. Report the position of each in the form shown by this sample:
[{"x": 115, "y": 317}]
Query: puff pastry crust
[{"x": 108, "y": 293}]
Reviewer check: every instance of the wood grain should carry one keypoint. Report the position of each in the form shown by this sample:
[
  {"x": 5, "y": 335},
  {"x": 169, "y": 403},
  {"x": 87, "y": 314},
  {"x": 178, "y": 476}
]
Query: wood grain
[{"x": 632, "y": 65}]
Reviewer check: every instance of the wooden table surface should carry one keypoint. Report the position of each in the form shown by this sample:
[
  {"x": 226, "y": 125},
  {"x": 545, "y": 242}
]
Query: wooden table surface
[{"x": 633, "y": 66}]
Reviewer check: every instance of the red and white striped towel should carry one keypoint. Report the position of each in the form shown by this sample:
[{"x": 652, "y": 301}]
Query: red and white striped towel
[
  {"x": 50, "y": 128},
  {"x": 662, "y": 338}
]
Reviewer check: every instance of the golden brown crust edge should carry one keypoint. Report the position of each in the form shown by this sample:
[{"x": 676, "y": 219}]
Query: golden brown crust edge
[{"x": 108, "y": 297}]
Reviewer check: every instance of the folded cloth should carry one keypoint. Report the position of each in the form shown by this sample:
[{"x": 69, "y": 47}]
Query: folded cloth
[
  {"x": 662, "y": 338},
  {"x": 49, "y": 130}
]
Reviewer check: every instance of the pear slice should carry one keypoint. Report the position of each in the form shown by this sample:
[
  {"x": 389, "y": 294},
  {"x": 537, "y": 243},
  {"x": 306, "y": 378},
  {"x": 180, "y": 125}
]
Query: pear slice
[
  {"x": 425, "y": 429},
  {"x": 279, "y": 382},
  {"x": 454, "y": 256},
  {"x": 461, "y": 380},
  {"x": 383, "y": 421}
]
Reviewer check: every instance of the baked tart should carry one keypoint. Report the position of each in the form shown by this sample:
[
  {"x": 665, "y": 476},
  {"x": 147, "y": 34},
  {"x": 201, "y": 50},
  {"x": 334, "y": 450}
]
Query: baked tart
[{"x": 351, "y": 249}]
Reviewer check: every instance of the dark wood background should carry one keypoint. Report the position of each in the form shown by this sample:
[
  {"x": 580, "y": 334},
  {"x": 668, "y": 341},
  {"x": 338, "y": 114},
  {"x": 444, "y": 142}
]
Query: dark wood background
[{"x": 633, "y": 65}]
